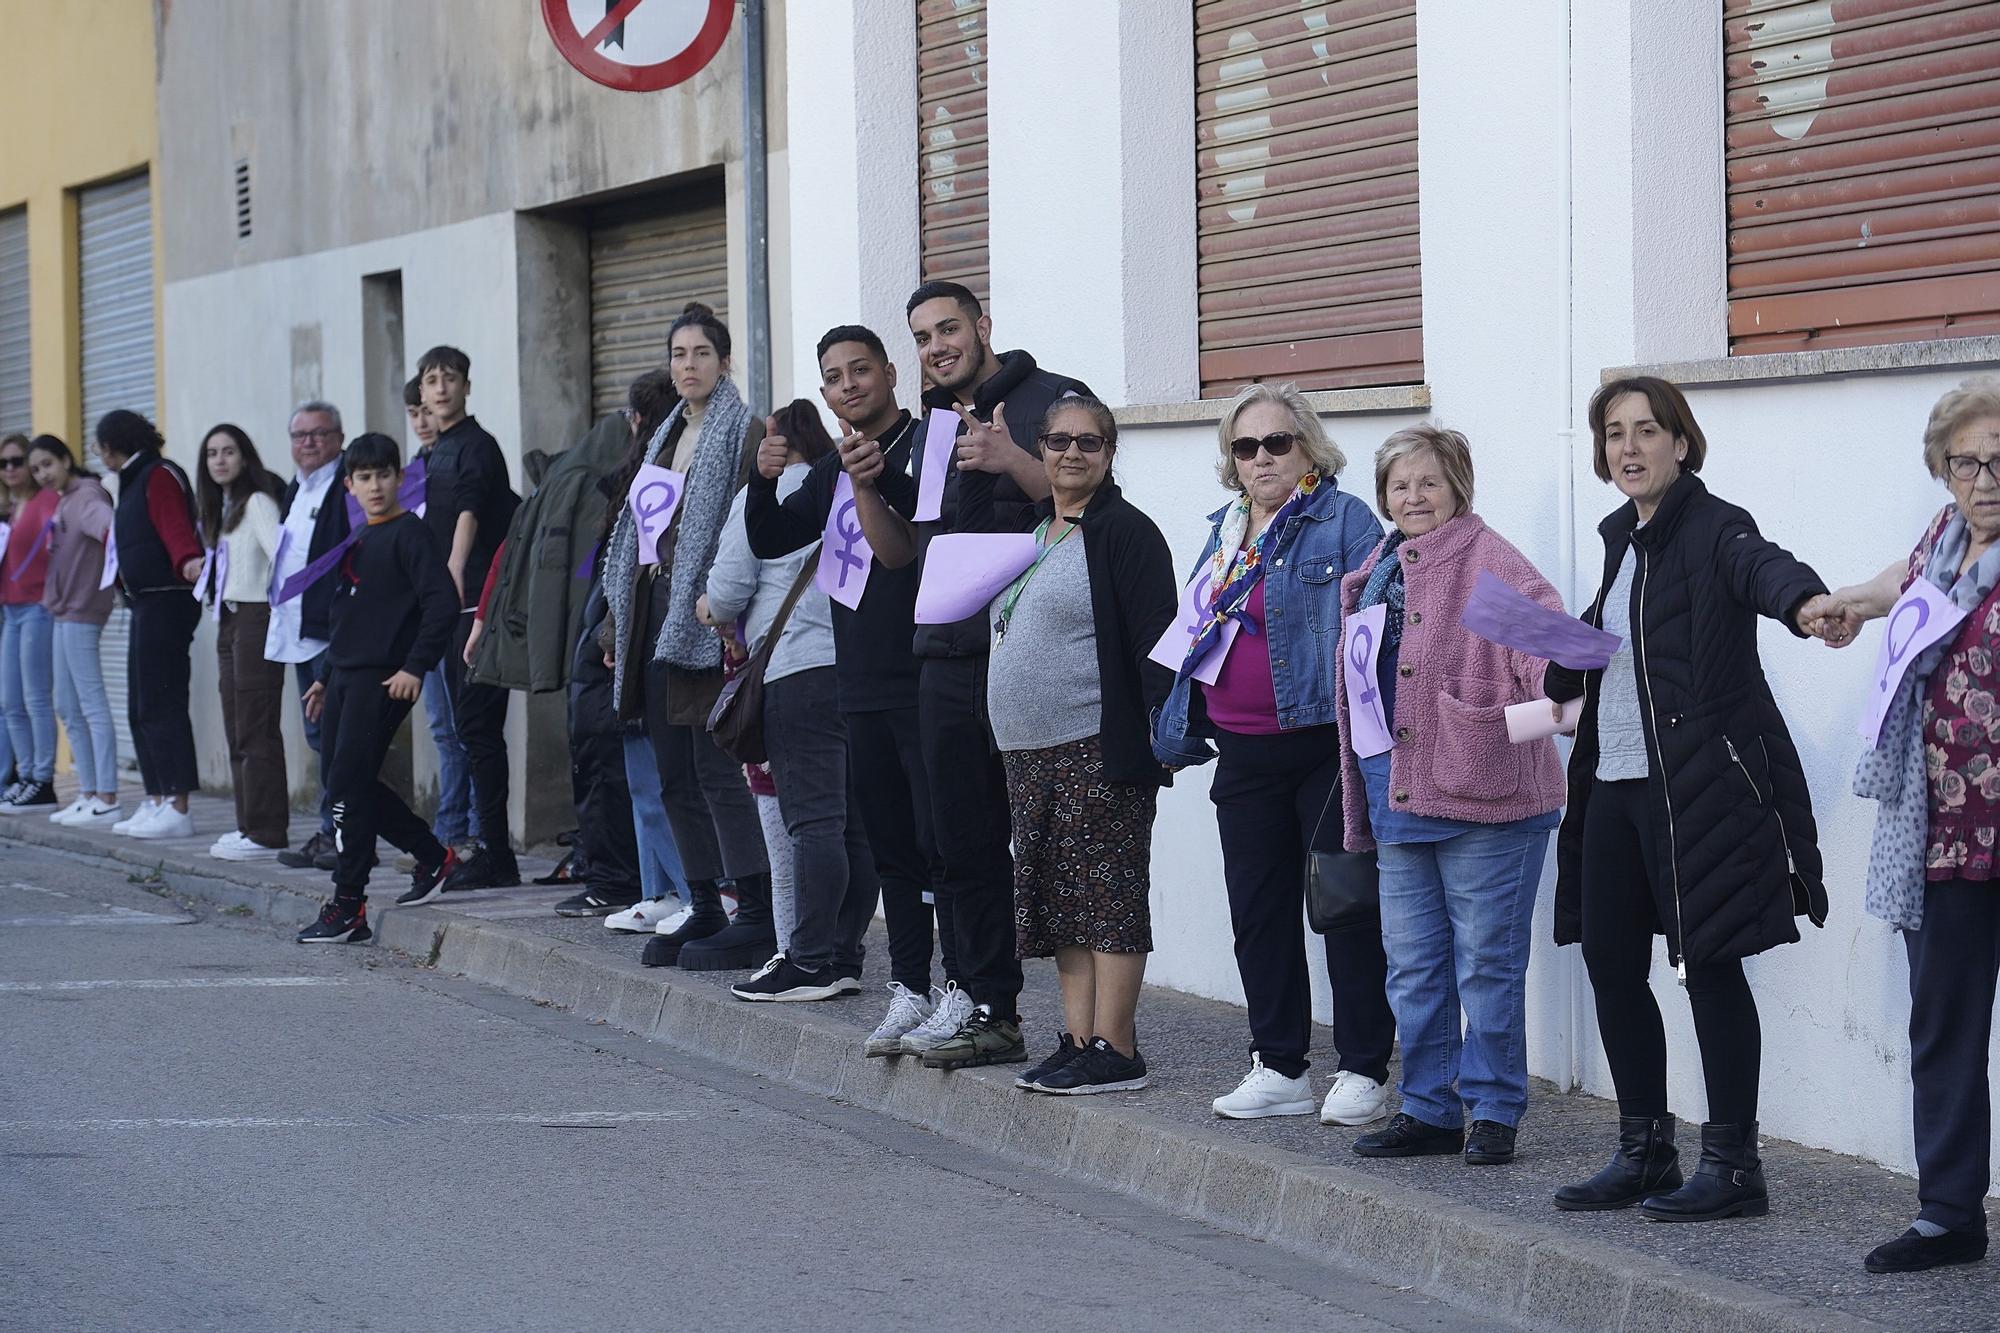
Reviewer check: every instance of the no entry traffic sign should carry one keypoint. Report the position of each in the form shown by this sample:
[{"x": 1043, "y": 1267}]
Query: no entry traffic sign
[{"x": 638, "y": 46}]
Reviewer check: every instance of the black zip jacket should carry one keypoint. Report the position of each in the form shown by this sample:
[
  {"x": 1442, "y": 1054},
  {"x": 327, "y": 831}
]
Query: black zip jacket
[
  {"x": 1729, "y": 793},
  {"x": 1133, "y": 598},
  {"x": 394, "y": 607}
]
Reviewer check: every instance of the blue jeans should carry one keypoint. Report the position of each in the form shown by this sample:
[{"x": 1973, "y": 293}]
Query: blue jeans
[
  {"x": 456, "y": 821},
  {"x": 660, "y": 871},
  {"x": 84, "y": 706},
  {"x": 27, "y": 685},
  {"x": 1457, "y": 917}
]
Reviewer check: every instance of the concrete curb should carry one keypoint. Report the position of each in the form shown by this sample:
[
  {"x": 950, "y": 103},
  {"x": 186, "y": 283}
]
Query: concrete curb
[{"x": 1479, "y": 1261}]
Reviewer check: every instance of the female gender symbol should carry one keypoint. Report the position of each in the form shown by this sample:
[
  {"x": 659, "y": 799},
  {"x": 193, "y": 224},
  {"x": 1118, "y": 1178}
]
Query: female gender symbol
[
  {"x": 1889, "y": 635},
  {"x": 849, "y": 529},
  {"x": 1359, "y": 648}
]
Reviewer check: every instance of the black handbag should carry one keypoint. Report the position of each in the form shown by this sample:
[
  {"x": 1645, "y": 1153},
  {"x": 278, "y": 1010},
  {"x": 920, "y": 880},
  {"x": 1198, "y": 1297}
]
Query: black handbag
[
  {"x": 1342, "y": 887},
  {"x": 737, "y": 720}
]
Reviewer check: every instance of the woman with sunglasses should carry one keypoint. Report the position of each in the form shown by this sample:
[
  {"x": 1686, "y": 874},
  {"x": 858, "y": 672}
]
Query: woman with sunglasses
[
  {"x": 1069, "y": 691},
  {"x": 27, "y": 654},
  {"x": 1270, "y": 577},
  {"x": 80, "y": 603}
]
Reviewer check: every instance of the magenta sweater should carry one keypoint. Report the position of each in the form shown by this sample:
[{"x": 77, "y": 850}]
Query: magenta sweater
[{"x": 1452, "y": 757}]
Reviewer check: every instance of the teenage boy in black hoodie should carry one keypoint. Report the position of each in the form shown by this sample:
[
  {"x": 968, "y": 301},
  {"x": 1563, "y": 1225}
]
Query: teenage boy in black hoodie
[{"x": 393, "y": 608}]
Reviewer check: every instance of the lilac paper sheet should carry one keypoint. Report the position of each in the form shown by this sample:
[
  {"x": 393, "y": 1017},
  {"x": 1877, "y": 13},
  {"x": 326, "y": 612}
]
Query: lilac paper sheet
[
  {"x": 940, "y": 444},
  {"x": 110, "y": 574},
  {"x": 963, "y": 571},
  {"x": 1497, "y": 613},
  {"x": 845, "y": 557}
]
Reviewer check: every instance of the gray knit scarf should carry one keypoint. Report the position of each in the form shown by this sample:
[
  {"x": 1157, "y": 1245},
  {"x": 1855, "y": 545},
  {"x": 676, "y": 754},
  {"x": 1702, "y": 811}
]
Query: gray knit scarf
[
  {"x": 711, "y": 484},
  {"x": 1892, "y": 773}
]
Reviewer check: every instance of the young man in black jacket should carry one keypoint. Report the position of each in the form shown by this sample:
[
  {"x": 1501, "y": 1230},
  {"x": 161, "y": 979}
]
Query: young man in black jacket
[
  {"x": 392, "y": 618},
  {"x": 1001, "y": 398}
]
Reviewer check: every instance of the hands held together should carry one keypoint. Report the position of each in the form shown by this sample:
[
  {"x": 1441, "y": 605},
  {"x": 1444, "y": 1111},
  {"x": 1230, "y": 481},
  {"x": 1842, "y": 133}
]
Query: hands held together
[{"x": 1831, "y": 618}]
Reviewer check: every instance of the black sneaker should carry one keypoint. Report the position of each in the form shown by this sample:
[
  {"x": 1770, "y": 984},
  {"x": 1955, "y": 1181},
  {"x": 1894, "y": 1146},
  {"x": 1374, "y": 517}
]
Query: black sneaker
[
  {"x": 306, "y": 855},
  {"x": 1097, "y": 1068},
  {"x": 338, "y": 925},
  {"x": 1914, "y": 1252},
  {"x": 486, "y": 868},
  {"x": 592, "y": 902},
  {"x": 1407, "y": 1136},
  {"x": 1489, "y": 1143},
  {"x": 428, "y": 885},
  {"x": 1066, "y": 1050},
  {"x": 783, "y": 980},
  {"x": 29, "y": 795}
]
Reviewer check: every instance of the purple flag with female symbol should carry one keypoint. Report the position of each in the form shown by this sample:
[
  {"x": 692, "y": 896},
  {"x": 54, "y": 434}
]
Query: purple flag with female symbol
[
  {"x": 1179, "y": 639},
  {"x": 1360, "y": 653},
  {"x": 845, "y": 557},
  {"x": 1920, "y": 617},
  {"x": 1499, "y": 614},
  {"x": 655, "y": 495}
]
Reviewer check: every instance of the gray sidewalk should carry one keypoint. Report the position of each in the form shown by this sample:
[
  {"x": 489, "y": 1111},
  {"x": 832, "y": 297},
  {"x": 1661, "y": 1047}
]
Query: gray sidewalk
[{"x": 1483, "y": 1238}]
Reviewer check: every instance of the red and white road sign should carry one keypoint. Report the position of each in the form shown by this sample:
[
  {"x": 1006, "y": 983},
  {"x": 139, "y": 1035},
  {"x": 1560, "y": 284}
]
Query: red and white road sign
[{"x": 638, "y": 46}]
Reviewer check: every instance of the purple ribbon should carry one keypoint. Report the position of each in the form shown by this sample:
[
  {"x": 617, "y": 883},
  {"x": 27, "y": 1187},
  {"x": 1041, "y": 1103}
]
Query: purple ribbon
[
  {"x": 1499, "y": 614},
  {"x": 33, "y": 551}
]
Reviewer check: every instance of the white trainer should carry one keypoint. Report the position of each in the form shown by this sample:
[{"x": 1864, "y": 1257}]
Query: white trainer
[
  {"x": 244, "y": 850},
  {"x": 644, "y": 916},
  {"x": 227, "y": 841},
  {"x": 907, "y": 1010},
  {"x": 80, "y": 805},
  {"x": 99, "y": 814},
  {"x": 668, "y": 925},
  {"x": 148, "y": 808},
  {"x": 1265, "y": 1092},
  {"x": 1355, "y": 1099},
  {"x": 166, "y": 822},
  {"x": 954, "y": 1006}
]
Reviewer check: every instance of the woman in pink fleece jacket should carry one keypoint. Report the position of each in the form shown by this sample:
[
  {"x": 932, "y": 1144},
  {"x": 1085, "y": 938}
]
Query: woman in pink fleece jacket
[{"x": 1459, "y": 816}]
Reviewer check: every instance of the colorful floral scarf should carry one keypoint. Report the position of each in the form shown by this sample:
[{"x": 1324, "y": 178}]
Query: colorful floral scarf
[{"x": 1237, "y": 565}]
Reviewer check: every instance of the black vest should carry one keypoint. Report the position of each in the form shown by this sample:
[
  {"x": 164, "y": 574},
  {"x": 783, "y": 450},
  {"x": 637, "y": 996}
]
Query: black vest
[{"x": 143, "y": 562}]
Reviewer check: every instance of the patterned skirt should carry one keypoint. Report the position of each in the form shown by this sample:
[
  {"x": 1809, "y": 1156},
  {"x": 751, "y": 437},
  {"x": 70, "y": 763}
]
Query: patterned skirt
[{"x": 1083, "y": 852}]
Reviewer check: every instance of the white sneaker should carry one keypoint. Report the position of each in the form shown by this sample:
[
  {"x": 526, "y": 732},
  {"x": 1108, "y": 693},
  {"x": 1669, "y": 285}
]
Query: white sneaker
[
  {"x": 227, "y": 841},
  {"x": 644, "y": 916},
  {"x": 166, "y": 822},
  {"x": 97, "y": 814},
  {"x": 907, "y": 1011},
  {"x": 81, "y": 805},
  {"x": 668, "y": 925},
  {"x": 144, "y": 814},
  {"x": 954, "y": 1006},
  {"x": 1355, "y": 1099},
  {"x": 1265, "y": 1092},
  {"x": 245, "y": 850}
]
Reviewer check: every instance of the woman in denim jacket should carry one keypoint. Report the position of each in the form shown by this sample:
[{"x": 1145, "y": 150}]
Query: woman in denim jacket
[{"x": 1272, "y": 567}]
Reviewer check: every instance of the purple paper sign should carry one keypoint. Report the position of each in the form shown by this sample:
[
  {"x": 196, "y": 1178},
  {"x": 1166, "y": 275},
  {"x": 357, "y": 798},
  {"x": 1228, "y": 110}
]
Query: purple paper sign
[
  {"x": 655, "y": 495},
  {"x": 1499, "y": 614},
  {"x": 940, "y": 444},
  {"x": 207, "y": 569},
  {"x": 845, "y": 557},
  {"x": 1360, "y": 652},
  {"x": 1172, "y": 650},
  {"x": 1920, "y": 617},
  {"x": 110, "y": 575},
  {"x": 963, "y": 571}
]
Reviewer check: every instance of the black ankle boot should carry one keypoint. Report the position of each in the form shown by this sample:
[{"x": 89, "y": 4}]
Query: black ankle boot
[
  {"x": 705, "y": 918},
  {"x": 749, "y": 941},
  {"x": 1646, "y": 1163},
  {"x": 1728, "y": 1182}
]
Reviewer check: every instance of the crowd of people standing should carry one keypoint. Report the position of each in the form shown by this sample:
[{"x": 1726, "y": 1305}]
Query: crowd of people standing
[{"x": 940, "y": 666}]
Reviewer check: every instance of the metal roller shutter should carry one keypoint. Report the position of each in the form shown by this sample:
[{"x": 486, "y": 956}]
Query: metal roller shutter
[
  {"x": 951, "y": 143},
  {"x": 16, "y": 410},
  {"x": 1306, "y": 182},
  {"x": 1863, "y": 165},
  {"x": 648, "y": 258},
  {"x": 115, "y": 272}
]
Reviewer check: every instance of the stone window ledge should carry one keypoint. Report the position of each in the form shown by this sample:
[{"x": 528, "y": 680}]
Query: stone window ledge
[
  {"x": 1328, "y": 402},
  {"x": 1724, "y": 371}
]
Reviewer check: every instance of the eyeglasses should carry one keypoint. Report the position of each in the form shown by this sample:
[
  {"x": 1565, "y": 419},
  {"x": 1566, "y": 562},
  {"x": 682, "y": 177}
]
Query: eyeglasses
[
  {"x": 319, "y": 433},
  {"x": 1277, "y": 444},
  {"x": 13, "y": 460},
  {"x": 1060, "y": 442},
  {"x": 1964, "y": 467}
]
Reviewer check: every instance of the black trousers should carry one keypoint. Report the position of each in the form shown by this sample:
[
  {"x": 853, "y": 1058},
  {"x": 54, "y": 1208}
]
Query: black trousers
[
  {"x": 357, "y": 725},
  {"x": 1954, "y": 964},
  {"x": 708, "y": 801},
  {"x": 974, "y": 827},
  {"x": 158, "y": 671},
  {"x": 1621, "y": 860},
  {"x": 895, "y": 800},
  {"x": 309, "y": 674},
  {"x": 480, "y": 714},
  {"x": 1270, "y": 793},
  {"x": 833, "y": 872},
  {"x": 605, "y": 833}
]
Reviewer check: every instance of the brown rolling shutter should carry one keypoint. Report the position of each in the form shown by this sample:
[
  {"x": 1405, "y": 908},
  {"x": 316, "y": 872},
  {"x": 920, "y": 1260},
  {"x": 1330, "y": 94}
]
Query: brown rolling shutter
[
  {"x": 951, "y": 141},
  {"x": 1306, "y": 177},
  {"x": 1863, "y": 171},
  {"x": 648, "y": 258}
]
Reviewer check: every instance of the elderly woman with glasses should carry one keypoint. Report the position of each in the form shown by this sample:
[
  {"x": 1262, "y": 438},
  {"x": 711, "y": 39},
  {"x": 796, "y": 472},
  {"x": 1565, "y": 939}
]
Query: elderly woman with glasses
[
  {"x": 1933, "y": 872},
  {"x": 1258, "y": 681}
]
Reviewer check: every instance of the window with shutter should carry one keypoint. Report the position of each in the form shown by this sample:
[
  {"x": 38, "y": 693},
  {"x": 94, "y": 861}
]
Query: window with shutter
[
  {"x": 1863, "y": 161},
  {"x": 1306, "y": 177},
  {"x": 16, "y": 411},
  {"x": 951, "y": 142}
]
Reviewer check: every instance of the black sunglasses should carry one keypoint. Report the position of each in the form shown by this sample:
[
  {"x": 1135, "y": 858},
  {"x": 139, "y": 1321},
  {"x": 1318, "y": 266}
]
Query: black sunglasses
[
  {"x": 1060, "y": 442},
  {"x": 1277, "y": 444},
  {"x": 14, "y": 460}
]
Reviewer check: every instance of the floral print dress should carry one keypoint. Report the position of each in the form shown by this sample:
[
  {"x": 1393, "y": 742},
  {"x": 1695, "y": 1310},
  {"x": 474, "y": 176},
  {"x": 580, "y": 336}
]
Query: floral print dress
[{"x": 1961, "y": 731}]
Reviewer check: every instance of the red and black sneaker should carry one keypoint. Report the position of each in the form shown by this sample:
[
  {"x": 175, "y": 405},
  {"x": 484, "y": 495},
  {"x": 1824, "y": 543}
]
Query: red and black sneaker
[
  {"x": 427, "y": 884},
  {"x": 339, "y": 924}
]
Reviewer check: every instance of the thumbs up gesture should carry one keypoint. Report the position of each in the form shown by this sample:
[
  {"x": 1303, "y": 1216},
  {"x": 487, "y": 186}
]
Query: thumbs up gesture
[{"x": 772, "y": 451}]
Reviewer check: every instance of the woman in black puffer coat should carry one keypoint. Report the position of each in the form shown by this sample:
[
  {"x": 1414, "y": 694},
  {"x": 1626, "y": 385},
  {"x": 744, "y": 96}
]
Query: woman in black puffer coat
[{"x": 1688, "y": 809}]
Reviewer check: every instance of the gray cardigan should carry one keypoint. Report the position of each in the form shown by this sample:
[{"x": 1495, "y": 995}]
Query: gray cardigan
[{"x": 741, "y": 585}]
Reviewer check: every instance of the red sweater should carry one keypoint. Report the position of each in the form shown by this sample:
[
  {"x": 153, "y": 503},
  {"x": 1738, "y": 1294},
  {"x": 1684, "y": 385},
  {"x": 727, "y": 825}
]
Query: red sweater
[{"x": 167, "y": 507}]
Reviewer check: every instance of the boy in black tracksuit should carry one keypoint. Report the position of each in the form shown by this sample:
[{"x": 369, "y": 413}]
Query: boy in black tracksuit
[{"x": 393, "y": 609}]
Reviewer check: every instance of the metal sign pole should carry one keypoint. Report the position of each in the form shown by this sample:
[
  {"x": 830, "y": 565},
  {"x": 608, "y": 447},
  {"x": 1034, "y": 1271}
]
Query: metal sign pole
[{"x": 756, "y": 206}]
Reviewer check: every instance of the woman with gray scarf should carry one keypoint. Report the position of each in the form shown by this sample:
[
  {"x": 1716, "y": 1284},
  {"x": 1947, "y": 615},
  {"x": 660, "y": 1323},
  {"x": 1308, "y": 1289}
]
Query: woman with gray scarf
[
  {"x": 1933, "y": 871},
  {"x": 667, "y": 667}
]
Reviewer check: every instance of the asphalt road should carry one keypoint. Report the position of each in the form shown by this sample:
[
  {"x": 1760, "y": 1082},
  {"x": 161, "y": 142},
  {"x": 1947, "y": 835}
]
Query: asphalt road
[{"x": 203, "y": 1125}]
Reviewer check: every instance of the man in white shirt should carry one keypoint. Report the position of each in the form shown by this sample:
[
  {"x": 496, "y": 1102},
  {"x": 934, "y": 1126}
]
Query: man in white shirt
[{"x": 317, "y": 439}]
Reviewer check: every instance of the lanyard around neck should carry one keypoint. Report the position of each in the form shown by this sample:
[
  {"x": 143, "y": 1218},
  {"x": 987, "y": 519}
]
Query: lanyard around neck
[{"x": 1021, "y": 584}]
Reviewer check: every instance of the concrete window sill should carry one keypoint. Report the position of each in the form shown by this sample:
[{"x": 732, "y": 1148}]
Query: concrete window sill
[
  {"x": 1724, "y": 371},
  {"x": 1328, "y": 402}
]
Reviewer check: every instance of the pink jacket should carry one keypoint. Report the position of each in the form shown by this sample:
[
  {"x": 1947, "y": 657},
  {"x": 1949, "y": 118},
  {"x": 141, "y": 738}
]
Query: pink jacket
[{"x": 1452, "y": 758}]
